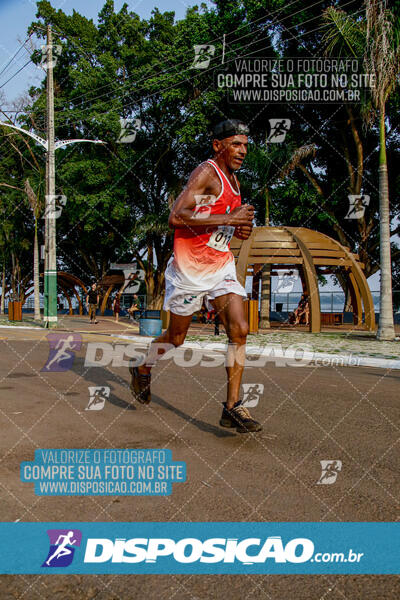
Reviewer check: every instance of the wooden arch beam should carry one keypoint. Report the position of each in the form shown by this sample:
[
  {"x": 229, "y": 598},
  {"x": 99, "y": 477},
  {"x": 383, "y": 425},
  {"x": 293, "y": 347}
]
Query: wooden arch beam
[
  {"x": 105, "y": 298},
  {"x": 66, "y": 294},
  {"x": 355, "y": 299},
  {"x": 311, "y": 278},
  {"x": 243, "y": 259},
  {"x": 79, "y": 300},
  {"x": 360, "y": 281}
]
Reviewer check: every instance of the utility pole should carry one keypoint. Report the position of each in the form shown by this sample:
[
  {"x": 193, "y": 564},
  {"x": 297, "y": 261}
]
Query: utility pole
[
  {"x": 50, "y": 263},
  {"x": 50, "y": 145}
]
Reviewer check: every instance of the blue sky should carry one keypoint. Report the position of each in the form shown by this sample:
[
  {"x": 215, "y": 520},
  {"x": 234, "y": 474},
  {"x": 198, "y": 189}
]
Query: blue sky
[{"x": 17, "y": 15}]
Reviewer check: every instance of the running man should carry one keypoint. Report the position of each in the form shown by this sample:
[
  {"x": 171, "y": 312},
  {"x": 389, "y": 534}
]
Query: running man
[{"x": 205, "y": 217}]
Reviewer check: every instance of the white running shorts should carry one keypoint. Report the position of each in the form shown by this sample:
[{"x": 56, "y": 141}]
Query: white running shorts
[{"x": 183, "y": 302}]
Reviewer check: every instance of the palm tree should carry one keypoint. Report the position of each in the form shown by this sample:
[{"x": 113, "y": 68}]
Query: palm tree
[
  {"x": 35, "y": 206},
  {"x": 375, "y": 35},
  {"x": 382, "y": 59}
]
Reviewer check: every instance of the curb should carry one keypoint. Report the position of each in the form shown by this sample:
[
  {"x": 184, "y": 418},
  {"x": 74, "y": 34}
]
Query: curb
[
  {"x": 356, "y": 360},
  {"x": 38, "y": 328}
]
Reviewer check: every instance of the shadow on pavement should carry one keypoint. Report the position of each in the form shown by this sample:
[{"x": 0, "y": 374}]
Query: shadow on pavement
[{"x": 202, "y": 425}]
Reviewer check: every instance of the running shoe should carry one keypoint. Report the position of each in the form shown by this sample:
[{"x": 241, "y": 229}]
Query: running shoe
[
  {"x": 140, "y": 385},
  {"x": 239, "y": 417}
]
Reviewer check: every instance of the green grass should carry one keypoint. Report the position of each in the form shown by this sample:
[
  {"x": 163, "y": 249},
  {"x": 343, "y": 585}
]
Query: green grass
[
  {"x": 342, "y": 342},
  {"x": 21, "y": 323}
]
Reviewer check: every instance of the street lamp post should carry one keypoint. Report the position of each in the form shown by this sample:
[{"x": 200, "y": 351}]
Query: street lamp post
[
  {"x": 50, "y": 256},
  {"x": 50, "y": 145}
]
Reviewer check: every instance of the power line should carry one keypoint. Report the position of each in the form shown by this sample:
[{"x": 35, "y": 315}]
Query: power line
[
  {"x": 265, "y": 17},
  {"x": 248, "y": 24},
  {"x": 12, "y": 76},
  {"x": 211, "y": 69},
  {"x": 16, "y": 53}
]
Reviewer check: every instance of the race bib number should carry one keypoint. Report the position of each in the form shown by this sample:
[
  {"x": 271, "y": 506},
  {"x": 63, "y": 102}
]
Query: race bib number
[{"x": 220, "y": 238}]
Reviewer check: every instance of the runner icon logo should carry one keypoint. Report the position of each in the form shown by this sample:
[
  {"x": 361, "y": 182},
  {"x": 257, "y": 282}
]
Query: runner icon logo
[
  {"x": 63, "y": 543},
  {"x": 62, "y": 351},
  {"x": 357, "y": 206},
  {"x": 286, "y": 281},
  {"x": 278, "y": 130},
  {"x": 129, "y": 129},
  {"x": 330, "y": 471},
  {"x": 203, "y": 54},
  {"x": 54, "y": 206},
  {"x": 56, "y": 52},
  {"x": 252, "y": 393},
  {"x": 97, "y": 397}
]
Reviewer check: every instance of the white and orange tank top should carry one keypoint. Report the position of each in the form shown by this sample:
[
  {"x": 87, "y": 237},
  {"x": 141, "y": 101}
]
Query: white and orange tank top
[{"x": 202, "y": 254}]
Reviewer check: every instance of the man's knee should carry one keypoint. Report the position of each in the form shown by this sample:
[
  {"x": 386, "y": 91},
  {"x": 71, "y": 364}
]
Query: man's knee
[
  {"x": 238, "y": 330},
  {"x": 176, "y": 338}
]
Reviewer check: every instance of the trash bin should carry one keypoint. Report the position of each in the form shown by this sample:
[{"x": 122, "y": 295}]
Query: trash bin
[
  {"x": 150, "y": 327},
  {"x": 151, "y": 314},
  {"x": 15, "y": 311}
]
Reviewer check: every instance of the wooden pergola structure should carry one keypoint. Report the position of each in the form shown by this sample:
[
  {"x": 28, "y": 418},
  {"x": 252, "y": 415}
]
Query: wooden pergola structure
[
  {"x": 68, "y": 283},
  {"x": 108, "y": 283},
  {"x": 312, "y": 253},
  {"x": 118, "y": 281}
]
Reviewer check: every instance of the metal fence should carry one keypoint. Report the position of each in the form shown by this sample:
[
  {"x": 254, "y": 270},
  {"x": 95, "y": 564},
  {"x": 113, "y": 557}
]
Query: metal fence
[
  {"x": 126, "y": 302},
  {"x": 330, "y": 301}
]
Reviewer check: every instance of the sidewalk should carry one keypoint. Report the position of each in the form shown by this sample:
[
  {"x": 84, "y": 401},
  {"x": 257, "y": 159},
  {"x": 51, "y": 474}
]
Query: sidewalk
[{"x": 337, "y": 343}]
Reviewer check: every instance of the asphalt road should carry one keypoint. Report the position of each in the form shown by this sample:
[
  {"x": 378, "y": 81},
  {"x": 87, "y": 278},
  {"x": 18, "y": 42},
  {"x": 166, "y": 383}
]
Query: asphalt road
[{"x": 309, "y": 414}]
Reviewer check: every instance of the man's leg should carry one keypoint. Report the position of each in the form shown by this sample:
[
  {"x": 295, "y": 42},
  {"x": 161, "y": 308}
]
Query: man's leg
[
  {"x": 174, "y": 336},
  {"x": 229, "y": 309}
]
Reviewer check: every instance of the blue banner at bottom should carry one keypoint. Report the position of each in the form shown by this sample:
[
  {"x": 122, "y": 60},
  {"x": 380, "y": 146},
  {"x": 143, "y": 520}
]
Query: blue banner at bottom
[{"x": 200, "y": 548}]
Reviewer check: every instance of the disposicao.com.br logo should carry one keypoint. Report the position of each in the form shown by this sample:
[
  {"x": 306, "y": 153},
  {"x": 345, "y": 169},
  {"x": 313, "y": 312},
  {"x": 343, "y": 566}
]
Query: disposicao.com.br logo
[
  {"x": 62, "y": 547},
  {"x": 247, "y": 551}
]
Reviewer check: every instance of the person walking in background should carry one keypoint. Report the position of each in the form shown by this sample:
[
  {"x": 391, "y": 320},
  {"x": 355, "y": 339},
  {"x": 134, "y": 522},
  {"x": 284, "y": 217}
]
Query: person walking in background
[
  {"x": 92, "y": 301},
  {"x": 116, "y": 308}
]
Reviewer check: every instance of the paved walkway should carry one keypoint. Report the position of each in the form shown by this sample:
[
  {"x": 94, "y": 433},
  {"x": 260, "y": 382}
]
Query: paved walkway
[{"x": 332, "y": 341}]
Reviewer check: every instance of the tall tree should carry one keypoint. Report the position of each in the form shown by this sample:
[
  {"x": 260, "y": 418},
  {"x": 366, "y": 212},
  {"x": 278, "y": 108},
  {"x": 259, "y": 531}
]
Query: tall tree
[
  {"x": 382, "y": 61},
  {"x": 376, "y": 34},
  {"x": 35, "y": 205}
]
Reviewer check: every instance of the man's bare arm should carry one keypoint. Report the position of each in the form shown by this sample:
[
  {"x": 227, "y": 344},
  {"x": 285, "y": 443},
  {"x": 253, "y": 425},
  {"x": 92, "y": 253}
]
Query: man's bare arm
[{"x": 201, "y": 183}]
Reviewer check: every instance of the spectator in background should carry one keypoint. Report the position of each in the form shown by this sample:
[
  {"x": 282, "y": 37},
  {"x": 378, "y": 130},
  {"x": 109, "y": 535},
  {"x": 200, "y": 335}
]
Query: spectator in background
[
  {"x": 134, "y": 310},
  {"x": 92, "y": 301},
  {"x": 303, "y": 308},
  {"x": 116, "y": 308}
]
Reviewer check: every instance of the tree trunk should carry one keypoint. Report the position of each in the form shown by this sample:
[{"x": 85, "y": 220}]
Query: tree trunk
[
  {"x": 386, "y": 323},
  {"x": 265, "y": 304},
  {"x": 3, "y": 289},
  {"x": 36, "y": 274}
]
